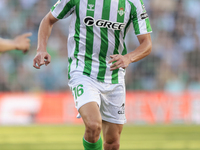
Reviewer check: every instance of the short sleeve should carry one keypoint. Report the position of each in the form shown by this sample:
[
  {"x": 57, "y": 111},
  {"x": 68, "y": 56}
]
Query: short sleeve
[
  {"x": 139, "y": 17},
  {"x": 63, "y": 8}
]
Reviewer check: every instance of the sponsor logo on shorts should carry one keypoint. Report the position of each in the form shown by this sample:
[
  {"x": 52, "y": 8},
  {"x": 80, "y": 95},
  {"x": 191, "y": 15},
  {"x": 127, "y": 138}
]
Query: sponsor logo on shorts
[{"x": 122, "y": 109}]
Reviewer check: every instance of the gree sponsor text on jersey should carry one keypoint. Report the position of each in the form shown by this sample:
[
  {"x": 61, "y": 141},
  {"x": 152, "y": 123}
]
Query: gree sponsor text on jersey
[{"x": 90, "y": 21}]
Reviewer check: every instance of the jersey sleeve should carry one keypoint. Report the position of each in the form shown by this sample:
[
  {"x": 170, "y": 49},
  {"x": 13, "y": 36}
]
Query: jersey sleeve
[
  {"x": 63, "y": 8},
  {"x": 139, "y": 17}
]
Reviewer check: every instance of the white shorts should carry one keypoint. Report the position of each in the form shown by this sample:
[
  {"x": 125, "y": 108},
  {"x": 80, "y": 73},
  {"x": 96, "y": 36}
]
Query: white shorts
[{"x": 109, "y": 97}]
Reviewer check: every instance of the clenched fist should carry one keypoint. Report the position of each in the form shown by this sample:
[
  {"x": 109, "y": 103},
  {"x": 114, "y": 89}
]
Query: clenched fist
[{"x": 40, "y": 59}]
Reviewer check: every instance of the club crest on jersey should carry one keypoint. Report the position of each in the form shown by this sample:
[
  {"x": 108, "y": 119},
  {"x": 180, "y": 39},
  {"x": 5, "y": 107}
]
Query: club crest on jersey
[
  {"x": 59, "y": 1},
  {"x": 121, "y": 11}
]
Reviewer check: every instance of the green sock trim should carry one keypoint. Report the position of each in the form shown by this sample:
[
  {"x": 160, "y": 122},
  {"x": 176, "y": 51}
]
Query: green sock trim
[{"x": 92, "y": 146}]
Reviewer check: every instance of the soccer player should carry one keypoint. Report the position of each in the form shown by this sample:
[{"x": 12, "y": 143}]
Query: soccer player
[
  {"x": 21, "y": 42},
  {"x": 97, "y": 58}
]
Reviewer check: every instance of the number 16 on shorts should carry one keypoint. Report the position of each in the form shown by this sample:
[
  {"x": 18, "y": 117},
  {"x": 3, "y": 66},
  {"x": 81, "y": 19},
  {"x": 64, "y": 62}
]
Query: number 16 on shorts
[{"x": 77, "y": 91}]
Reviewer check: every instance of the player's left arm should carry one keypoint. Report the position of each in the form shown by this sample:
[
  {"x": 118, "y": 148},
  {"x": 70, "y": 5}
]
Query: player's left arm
[{"x": 143, "y": 50}]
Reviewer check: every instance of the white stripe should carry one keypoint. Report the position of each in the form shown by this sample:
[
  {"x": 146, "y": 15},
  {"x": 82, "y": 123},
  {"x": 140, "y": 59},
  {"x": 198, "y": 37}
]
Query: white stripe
[
  {"x": 82, "y": 41},
  {"x": 127, "y": 16},
  {"x": 97, "y": 40},
  {"x": 71, "y": 42},
  {"x": 111, "y": 38}
]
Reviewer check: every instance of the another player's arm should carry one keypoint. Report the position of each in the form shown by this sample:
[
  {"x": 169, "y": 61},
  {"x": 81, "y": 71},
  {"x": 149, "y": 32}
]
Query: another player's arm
[
  {"x": 42, "y": 57},
  {"x": 143, "y": 50},
  {"x": 21, "y": 42}
]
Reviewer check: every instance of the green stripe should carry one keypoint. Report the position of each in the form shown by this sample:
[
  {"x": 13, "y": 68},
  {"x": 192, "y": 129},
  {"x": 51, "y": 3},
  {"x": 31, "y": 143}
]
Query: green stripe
[
  {"x": 149, "y": 29},
  {"x": 69, "y": 67},
  {"x": 104, "y": 42},
  {"x": 147, "y": 20},
  {"x": 117, "y": 40},
  {"x": 52, "y": 9},
  {"x": 141, "y": 1},
  {"x": 134, "y": 18},
  {"x": 125, "y": 31},
  {"x": 66, "y": 9},
  {"x": 124, "y": 52},
  {"x": 89, "y": 42},
  {"x": 77, "y": 33},
  {"x": 127, "y": 25}
]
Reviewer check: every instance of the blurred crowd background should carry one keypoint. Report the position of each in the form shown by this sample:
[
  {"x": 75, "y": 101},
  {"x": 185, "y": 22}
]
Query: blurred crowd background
[{"x": 173, "y": 65}]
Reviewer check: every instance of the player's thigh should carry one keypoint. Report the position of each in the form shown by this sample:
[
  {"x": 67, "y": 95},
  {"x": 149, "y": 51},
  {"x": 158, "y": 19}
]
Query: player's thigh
[
  {"x": 111, "y": 132},
  {"x": 90, "y": 113},
  {"x": 86, "y": 98}
]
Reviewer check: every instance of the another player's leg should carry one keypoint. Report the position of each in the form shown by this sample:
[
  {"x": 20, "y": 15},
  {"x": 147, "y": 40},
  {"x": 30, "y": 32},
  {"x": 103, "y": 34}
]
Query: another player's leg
[
  {"x": 111, "y": 135},
  {"x": 93, "y": 123}
]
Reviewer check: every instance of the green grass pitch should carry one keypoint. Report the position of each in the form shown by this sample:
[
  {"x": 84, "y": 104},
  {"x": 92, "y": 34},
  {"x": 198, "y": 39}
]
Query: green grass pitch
[{"x": 69, "y": 137}]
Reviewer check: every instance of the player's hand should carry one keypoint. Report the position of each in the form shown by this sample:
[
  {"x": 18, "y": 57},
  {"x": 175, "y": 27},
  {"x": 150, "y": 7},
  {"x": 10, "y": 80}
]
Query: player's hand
[
  {"x": 41, "y": 58},
  {"x": 22, "y": 42},
  {"x": 119, "y": 61}
]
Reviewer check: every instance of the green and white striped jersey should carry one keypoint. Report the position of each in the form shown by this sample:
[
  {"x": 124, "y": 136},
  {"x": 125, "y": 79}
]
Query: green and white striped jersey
[{"x": 97, "y": 30}]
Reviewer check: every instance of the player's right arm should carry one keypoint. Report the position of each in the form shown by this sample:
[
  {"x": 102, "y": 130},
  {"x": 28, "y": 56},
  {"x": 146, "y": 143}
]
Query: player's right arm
[{"x": 42, "y": 57}]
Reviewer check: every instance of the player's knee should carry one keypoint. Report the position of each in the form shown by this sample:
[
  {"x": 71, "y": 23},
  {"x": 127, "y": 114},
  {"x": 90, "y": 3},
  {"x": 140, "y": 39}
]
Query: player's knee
[
  {"x": 111, "y": 146},
  {"x": 93, "y": 128}
]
